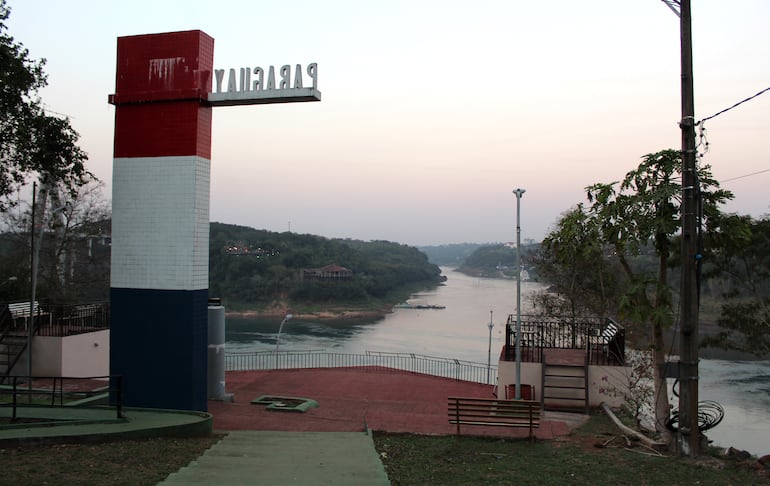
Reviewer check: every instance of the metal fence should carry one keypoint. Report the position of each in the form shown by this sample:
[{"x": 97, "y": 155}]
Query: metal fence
[
  {"x": 55, "y": 319},
  {"x": 415, "y": 363},
  {"x": 591, "y": 334},
  {"x": 103, "y": 392}
]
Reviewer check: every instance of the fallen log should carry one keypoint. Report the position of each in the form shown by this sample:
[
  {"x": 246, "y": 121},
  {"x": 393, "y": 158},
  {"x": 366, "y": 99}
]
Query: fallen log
[{"x": 629, "y": 432}]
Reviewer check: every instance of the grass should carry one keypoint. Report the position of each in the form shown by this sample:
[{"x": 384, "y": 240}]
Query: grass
[
  {"x": 442, "y": 460},
  {"x": 130, "y": 462},
  {"x": 409, "y": 460}
]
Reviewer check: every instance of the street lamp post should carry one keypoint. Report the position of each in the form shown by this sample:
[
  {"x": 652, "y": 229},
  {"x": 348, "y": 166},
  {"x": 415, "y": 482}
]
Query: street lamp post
[
  {"x": 35, "y": 245},
  {"x": 519, "y": 192},
  {"x": 489, "y": 352},
  {"x": 278, "y": 339}
]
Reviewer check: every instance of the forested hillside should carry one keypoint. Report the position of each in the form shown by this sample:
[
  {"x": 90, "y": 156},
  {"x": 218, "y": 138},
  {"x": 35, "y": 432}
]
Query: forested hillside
[
  {"x": 250, "y": 268},
  {"x": 496, "y": 261},
  {"x": 452, "y": 255}
]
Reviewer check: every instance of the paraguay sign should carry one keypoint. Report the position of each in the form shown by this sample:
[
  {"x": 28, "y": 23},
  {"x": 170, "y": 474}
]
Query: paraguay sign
[{"x": 248, "y": 86}]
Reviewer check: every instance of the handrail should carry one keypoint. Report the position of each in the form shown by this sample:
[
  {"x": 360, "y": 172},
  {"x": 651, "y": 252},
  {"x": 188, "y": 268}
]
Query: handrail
[
  {"x": 605, "y": 342},
  {"x": 47, "y": 395},
  {"x": 59, "y": 320},
  {"x": 444, "y": 367},
  {"x": 6, "y": 319}
]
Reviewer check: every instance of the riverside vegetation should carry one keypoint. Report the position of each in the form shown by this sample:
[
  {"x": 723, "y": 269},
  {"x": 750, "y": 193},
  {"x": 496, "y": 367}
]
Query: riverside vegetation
[{"x": 260, "y": 270}]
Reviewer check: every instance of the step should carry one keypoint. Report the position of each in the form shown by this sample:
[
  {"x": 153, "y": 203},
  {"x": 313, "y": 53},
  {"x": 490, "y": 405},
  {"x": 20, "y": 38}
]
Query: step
[
  {"x": 566, "y": 398},
  {"x": 582, "y": 377}
]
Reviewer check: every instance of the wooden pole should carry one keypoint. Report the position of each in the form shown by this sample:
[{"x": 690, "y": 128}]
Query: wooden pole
[{"x": 689, "y": 435}]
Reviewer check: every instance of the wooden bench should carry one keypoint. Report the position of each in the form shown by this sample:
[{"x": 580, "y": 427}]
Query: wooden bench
[
  {"x": 494, "y": 412},
  {"x": 607, "y": 334},
  {"x": 21, "y": 309}
]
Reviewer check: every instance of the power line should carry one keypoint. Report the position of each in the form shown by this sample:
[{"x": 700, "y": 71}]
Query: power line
[
  {"x": 734, "y": 106},
  {"x": 48, "y": 110},
  {"x": 746, "y": 175}
]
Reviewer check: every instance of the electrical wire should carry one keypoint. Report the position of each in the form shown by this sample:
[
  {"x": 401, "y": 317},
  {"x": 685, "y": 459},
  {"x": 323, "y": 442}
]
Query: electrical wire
[
  {"x": 746, "y": 175},
  {"x": 734, "y": 106},
  {"x": 710, "y": 414}
]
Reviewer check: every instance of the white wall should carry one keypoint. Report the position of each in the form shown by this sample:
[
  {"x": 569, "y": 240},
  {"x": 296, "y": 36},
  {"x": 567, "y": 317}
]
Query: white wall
[
  {"x": 81, "y": 355},
  {"x": 602, "y": 380}
]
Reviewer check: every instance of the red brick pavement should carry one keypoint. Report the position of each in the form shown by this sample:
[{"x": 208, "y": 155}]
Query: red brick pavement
[{"x": 351, "y": 399}]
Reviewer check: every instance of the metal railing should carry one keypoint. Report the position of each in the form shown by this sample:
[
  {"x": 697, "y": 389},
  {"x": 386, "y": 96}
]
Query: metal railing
[
  {"x": 68, "y": 320},
  {"x": 56, "y": 319},
  {"x": 444, "y": 367},
  {"x": 541, "y": 333},
  {"x": 58, "y": 391}
]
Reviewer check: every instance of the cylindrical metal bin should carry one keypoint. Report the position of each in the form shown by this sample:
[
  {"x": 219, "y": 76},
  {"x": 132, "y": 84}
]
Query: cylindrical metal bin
[{"x": 216, "y": 351}]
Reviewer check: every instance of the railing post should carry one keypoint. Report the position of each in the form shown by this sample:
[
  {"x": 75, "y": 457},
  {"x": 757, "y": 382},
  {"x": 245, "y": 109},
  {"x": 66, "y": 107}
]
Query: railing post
[
  {"x": 13, "y": 417},
  {"x": 457, "y": 414},
  {"x": 119, "y": 395}
]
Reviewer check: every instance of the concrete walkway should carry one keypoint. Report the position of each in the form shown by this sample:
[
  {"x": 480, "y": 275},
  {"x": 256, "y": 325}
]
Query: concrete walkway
[{"x": 285, "y": 458}]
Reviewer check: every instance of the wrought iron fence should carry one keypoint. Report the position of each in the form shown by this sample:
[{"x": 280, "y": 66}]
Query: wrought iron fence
[
  {"x": 591, "y": 334},
  {"x": 55, "y": 319},
  {"x": 67, "y": 320},
  {"x": 415, "y": 363}
]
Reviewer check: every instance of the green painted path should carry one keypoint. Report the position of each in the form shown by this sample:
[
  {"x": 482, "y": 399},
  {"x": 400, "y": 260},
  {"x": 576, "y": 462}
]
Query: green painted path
[{"x": 285, "y": 458}]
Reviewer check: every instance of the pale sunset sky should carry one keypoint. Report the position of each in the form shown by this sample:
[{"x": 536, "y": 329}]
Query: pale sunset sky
[{"x": 432, "y": 111}]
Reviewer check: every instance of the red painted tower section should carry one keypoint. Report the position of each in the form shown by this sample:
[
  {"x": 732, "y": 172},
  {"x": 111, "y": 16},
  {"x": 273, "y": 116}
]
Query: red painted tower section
[
  {"x": 159, "y": 279},
  {"x": 161, "y": 87}
]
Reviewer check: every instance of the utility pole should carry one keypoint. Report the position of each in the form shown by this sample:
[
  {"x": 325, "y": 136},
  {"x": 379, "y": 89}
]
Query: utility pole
[{"x": 689, "y": 435}]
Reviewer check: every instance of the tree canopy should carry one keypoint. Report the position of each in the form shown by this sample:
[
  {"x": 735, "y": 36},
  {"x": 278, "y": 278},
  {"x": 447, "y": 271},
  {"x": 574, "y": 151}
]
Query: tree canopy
[{"x": 32, "y": 143}]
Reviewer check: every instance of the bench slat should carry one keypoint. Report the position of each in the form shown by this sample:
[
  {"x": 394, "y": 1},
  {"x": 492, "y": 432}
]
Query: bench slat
[{"x": 494, "y": 412}]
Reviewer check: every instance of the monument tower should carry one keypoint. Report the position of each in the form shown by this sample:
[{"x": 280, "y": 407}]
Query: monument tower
[{"x": 160, "y": 206}]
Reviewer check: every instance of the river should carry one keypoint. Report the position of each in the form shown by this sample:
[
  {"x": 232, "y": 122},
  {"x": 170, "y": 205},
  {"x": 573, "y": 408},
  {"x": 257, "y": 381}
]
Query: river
[{"x": 461, "y": 331}]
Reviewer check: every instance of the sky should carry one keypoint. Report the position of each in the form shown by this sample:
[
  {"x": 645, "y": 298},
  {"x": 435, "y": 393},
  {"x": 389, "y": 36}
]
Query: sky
[{"x": 433, "y": 112}]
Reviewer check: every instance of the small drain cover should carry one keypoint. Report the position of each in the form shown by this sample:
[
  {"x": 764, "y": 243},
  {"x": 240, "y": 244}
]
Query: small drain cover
[{"x": 285, "y": 404}]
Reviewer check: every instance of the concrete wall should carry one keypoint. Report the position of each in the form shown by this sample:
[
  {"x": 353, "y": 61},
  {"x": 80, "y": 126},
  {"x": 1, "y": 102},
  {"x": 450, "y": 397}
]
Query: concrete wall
[
  {"x": 81, "y": 355},
  {"x": 602, "y": 380}
]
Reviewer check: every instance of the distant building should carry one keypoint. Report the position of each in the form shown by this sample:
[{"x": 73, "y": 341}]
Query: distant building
[{"x": 329, "y": 272}]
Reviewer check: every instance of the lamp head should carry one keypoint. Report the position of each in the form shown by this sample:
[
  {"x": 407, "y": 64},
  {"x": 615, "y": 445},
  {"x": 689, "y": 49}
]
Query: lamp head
[{"x": 519, "y": 192}]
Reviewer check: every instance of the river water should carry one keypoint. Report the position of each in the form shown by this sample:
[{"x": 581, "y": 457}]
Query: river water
[{"x": 461, "y": 331}]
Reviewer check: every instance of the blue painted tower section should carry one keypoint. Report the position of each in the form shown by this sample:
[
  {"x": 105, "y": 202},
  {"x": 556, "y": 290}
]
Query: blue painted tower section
[{"x": 167, "y": 365}]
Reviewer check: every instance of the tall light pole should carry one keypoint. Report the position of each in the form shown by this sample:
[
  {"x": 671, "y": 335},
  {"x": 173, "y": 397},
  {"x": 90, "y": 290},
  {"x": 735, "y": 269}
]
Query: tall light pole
[
  {"x": 489, "y": 352},
  {"x": 519, "y": 192},
  {"x": 278, "y": 339}
]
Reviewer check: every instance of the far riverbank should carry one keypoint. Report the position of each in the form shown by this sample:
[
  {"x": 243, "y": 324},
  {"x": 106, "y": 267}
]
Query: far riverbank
[{"x": 324, "y": 314}]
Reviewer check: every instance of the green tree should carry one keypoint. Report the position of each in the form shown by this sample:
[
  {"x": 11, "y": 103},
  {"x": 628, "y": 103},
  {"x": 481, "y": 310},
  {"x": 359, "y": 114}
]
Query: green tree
[
  {"x": 644, "y": 208},
  {"x": 741, "y": 262},
  {"x": 572, "y": 261},
  {"x": 32, "y": 144},
  {"x": 627, "y": 218}
]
